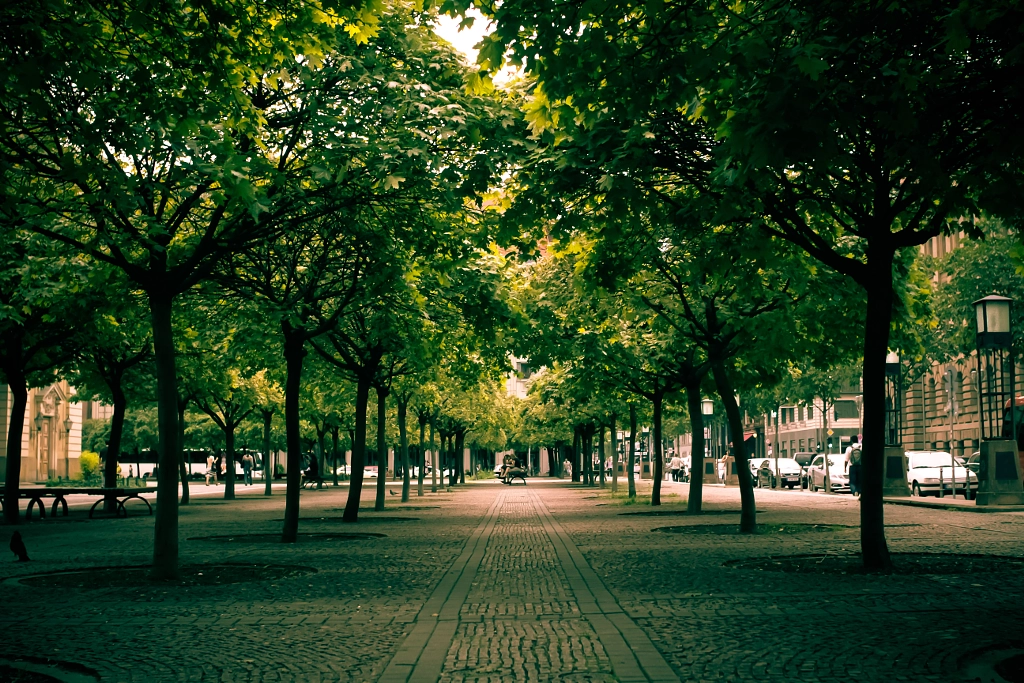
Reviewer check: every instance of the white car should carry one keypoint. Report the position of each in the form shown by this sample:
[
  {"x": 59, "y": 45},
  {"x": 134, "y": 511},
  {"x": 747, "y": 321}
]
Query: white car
[
  {"x": 839, "y": 480},
  {"x": 928, "y": 470}
]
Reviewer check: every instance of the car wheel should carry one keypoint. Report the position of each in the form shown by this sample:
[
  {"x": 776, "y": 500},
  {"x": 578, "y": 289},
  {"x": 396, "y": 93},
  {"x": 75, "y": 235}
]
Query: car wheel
[{"x": 915, "y": 490}]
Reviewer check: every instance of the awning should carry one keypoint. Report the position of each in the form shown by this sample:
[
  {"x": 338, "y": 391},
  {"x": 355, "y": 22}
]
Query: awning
[{"x": 747, "y": 436}]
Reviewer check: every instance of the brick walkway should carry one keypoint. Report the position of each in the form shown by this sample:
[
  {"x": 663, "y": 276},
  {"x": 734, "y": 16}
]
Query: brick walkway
[{"x": 544, "y": 582}]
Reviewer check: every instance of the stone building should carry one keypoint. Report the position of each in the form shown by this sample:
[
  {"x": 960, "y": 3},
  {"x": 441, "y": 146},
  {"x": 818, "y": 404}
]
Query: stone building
[{"x": 51, "y": 441}]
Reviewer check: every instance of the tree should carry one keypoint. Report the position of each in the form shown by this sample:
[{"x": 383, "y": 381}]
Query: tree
[
  {"x": 165, "y": 157},
  {"x": 854, "y": 131},
  {"x": 38, "y": 312},
  {"x": 108, "y": 349}
]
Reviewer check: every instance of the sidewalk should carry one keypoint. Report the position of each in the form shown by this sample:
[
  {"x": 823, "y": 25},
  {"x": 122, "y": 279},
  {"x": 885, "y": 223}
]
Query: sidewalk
[
  {"x": 493, "y": 583},
  {"x": 950, "y": 503}
]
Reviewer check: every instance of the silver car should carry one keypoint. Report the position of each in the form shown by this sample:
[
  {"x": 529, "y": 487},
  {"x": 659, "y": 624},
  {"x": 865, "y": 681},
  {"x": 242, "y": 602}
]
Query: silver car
[{"x": 839, "y": 480}]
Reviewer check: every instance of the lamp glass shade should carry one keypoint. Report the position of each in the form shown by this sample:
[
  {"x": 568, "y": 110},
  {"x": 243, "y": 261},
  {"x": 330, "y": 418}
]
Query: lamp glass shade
[
  {"x": 993, "y": 314},
  {"x": 67, "y": 425},
  {"x": 707, "y": 407},
  {"x": 39, "y": 422}
]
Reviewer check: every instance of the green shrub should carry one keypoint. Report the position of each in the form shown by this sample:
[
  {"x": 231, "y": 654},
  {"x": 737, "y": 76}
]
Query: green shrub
[
  {"x": 90, "y": 464},
  {"x": 482, "y": 474}
]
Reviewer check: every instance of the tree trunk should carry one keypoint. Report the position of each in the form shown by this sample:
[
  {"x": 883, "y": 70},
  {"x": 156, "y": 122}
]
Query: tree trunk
[
  {"x": 356, "y": 467},
  {"x": 334, "y": 454},
  {"x": 874, "y": 550},
  {"x": 693, "y": 403},
  {"x": 382, "y": 449},
  {"x": 12, "y": 483},
  {"x": 601, "y": 455},
  {"x": 656, "y": 455},
  {"x": 403, "y": 438},
  {"x": 165, "y": 526},
  {"x": 613, "y": 437},
  {"x": 421, "y": 456},
  {"x": 182, "y": 405},
  {"x": 588, "y": 456},
  {"x": 268, "y": 460},
  {"x": 114, "y": 446},
  {"x": 229, "y": 456},
  {"x": 294, "y": 354},
  {"x": 630, "y": 478},
  {"x": 459, "y": 447},
  {"x": 577, "y": 438},
  {"x": 321, "y": 456},
  {"x": 748, "y": 514},
  {"x": 433, "y": 460}
]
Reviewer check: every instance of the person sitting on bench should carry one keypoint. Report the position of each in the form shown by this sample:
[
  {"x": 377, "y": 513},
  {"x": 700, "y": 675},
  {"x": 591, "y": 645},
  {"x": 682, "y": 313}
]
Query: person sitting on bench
[{"x": 313, "y": 473}]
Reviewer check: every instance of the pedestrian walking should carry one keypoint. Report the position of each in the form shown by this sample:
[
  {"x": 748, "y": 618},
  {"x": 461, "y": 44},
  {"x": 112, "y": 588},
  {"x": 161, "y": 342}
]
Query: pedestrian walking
[
  {"x": 674, "y": 466},
  {"x": 211, "y": 469},
  {"x": 247, "y": 469},
  {"x": 852, "y": 460}
]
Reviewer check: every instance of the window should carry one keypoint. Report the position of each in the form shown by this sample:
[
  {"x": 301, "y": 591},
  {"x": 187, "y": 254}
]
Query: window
[
  {"x": 801, "y": 413},
  {"x": 810, "y": 412},
  {"x": 846, "y": 410},
  {"x": 803, "y": 445},
  {"x": 782, "y": 415}
]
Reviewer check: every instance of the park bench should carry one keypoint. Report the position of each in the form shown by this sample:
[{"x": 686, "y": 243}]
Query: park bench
[
  {"x": 305, "y": 481},
  {"x": 513, "y": 474},
  {"x": 122, "y": 495}
]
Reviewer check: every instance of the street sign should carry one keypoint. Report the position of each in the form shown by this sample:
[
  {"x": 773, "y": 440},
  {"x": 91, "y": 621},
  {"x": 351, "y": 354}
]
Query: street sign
[{"x": 830, "y": 432}]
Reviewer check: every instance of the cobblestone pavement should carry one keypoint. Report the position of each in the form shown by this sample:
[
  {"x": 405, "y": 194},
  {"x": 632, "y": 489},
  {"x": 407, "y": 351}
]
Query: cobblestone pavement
[{"x": 543, "y": 582}]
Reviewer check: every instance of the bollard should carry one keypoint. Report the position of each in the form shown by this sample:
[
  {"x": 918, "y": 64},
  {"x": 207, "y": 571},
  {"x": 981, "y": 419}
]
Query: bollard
[
  {"x": 894, "y": 482},
  {"x": 999, "y": 477},
  {"x": 710, "y": 472}
]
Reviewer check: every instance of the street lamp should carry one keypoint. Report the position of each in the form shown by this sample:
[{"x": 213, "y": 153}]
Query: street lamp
[
  {"x": 999, "y": 476},
  {"x": 707, "y": 409},
  {"x": 995, "y": 364},
  {"x": 39, "y": 422},
  {"x": 67, "y": 425},
  {"x": 893, "y": 399}
]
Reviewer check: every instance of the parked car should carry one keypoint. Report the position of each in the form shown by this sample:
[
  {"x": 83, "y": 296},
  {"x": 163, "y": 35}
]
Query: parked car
[
  {"x": 804, "y": 460},
  {"x": 789, "y": 473},
  {"x": 838, "y": 478},
  {"x": 755, "y": 466},
  {"x": 928, "y": 471},
  {"x": 974, "y": 462}
]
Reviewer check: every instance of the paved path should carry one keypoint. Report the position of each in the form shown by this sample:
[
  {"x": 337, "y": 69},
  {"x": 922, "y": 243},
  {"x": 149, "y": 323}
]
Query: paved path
[
  {"x": 548, "y": 582},
  {"x": 522, "y": 603}
]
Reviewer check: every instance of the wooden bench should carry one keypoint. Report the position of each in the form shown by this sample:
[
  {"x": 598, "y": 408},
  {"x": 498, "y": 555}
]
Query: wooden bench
[
  {"x": 513, "y": 474},
  {"x": 121, "y": 495}
]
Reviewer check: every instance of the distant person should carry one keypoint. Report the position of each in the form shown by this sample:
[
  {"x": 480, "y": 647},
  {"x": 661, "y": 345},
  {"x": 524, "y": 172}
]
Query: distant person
[
  {"x": 674, "y": 466},
  {"x": 131, "y": 474},
  {"x": 852, "y": 463},
  {"x": 247, "y": 469},
  {"x": 313, "y": 472},
  {"x": 211, "y": 469}
]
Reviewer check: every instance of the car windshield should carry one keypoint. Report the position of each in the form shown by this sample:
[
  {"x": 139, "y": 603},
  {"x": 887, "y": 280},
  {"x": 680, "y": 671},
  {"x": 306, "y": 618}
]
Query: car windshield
[
  {"x": 933, "y": 460},
  {"x": 784, "y": 464}
]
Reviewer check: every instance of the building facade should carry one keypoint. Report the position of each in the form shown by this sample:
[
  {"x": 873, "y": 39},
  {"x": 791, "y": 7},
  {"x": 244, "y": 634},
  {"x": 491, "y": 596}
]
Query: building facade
[{"x": 51, "y": 439}]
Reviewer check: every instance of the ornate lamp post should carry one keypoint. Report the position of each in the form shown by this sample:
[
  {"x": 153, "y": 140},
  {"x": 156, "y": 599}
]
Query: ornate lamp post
[
  {"x": 894, "y": 478},
  {"x": 999, "y": 477}
]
